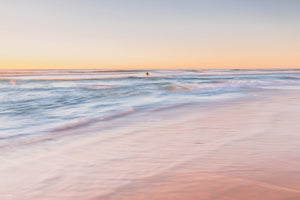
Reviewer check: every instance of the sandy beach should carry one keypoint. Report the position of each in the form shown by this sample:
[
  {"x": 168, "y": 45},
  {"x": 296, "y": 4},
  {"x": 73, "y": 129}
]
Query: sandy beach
[{"x": 247, "y": 148}]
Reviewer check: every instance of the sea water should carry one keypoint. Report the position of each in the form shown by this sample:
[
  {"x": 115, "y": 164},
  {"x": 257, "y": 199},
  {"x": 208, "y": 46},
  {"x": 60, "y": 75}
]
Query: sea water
[{"x": 36, "y": 103}]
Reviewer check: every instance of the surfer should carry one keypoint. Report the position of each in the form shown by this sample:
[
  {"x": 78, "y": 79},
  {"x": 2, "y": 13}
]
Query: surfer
[{"x": 147, "y": 74}]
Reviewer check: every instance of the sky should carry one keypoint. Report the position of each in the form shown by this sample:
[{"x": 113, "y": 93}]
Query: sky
[{"x": 149, "y": 34}]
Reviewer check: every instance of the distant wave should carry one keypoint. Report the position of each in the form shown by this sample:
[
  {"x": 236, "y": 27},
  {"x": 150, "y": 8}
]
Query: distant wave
[
  {"x": 291, "y": 77},
  {"x": 231, "y": 84},
  {"x": 245, "y": 72},
  {"x": 97, "y": 87},
  {"x": 80, "y": 78},
  {"x": 179, "y": 88}
]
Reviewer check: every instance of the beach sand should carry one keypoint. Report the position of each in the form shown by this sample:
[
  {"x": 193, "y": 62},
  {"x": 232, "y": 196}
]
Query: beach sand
[{"x": 247, "y": 148}]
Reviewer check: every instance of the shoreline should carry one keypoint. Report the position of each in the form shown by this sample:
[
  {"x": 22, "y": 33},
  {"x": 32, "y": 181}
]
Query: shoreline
[{"x": 245, "y": 150}]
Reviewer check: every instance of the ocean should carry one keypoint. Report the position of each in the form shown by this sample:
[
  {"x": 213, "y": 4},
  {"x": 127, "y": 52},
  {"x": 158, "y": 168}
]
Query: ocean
[{"x": 37, "y": 103}]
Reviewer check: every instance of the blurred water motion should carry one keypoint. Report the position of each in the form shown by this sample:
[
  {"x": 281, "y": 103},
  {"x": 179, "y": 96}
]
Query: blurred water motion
[{"x": 36, "y": 102}]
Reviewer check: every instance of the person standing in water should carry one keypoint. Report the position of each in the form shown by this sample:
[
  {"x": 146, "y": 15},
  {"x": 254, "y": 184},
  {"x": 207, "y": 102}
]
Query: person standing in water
[{"x": 147, "y": 74}]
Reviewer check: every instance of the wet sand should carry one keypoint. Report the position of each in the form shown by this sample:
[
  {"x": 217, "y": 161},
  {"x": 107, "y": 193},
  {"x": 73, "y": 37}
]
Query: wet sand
[{"x": 242, "y": 149}]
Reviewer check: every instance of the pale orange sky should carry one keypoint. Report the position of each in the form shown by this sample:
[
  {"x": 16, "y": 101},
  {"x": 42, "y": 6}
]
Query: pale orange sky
[{"x": 149, "y": 34}]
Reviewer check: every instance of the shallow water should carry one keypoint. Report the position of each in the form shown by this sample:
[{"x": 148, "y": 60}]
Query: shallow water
[{"x": 36, "y": 103}]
